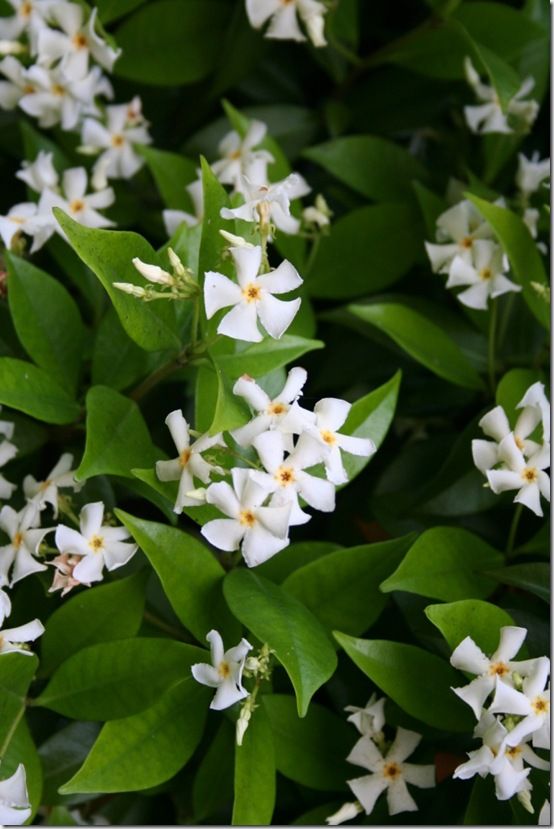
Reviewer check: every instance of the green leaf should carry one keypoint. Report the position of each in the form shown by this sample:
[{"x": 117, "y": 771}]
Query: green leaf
[
  {"x": 212, "y": 243},
  {"x": 365, "y": 251},
  {"x": 255, "y": 774},
  {"x": 47, "y": 321},
  {"x": 171, "y": 173},
  {"x": 229, "y": 410},
  {"x": 294, "y": 556},
  {"x": 117, "y": 361},
  {"x": 110, "y": 10},
  {"x": 29, "y": 389},
  {"x": 109, "y": 612},
  {"x": 117, "y": 436},
  {"x": 418, "y": 681},
  {"x": 342, "y": 588},
  {"x": 533, "y": 577},
  {"x": 62, "y": 754},
  {"x": 146, "y": 749},
  {"x": 261, "y": 358},
  {"x": 375, "y": 167},
  {"x": 471, "y": 617},
  {"x": 421, "y": 339},
  {"x": 512, "y": 387},
  {"x": 311, "y": 750},
  {"x": 106, "y": 681},
  {"x": 431, "y": 207},
  {"x": 521, "y": 249},
  {"x": 109, "y": 253},
  {"x": 168, "y": 43},
  {"x": 300, "y": 643},
  {"x": 16, "y": 674},
  {"x": 189, "y": 573},
  {"x": 446, "y": 563}
]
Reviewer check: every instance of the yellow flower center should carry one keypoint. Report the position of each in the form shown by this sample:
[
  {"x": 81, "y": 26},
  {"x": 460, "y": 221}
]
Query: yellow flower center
[
  {"x": 223, "y": 669},
  {"x": 485, "y": 274},
  {"x": 117, "y": 140},
  {"x": 79, "y": 41},
  {"x": 498, "y": 669},
  {"x": 277, "y": 408},
  {"x": 513, "y": 752},
  {"x": 77, "y": 205},
  {"x": 44, "y": 485},
  {"x": 391, "y": 771},
  {"x": 26, "y": 9},
  {"x": 58, "y": 89},
  {"x": 96, "y": 543},
  {"x": 28, "y": 89},
  {"x": 530, "y": 474},
  {"x": 285, "y": 475},
  {"x": 252, "y": 292},
  {"x": 17, "y": 540},
  {"x": 540, "y": 705},
  {"x": 467, "y": 242},
  {"x": 247, "y": 518},
  {"x": 184, "y": 457},
  {"x": 519, "y": 443},
  {"x": 328, "y": 437}
]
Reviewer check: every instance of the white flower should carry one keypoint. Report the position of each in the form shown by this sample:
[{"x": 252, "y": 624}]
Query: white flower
[
  {"x": 25, "y": 538},
  {"x": 45, "y": 492},
  {"x": 267, "y": 203},
  {"x": 117, "y": 139},
  {"x": 174, "y": 218},
  {"x": 17, "y": 85},
  {"x": 253, "y": 297},
  {"x": 286, "y": 477},
  {"x": 457, "y": 229},
  {"x": 8, "y": 451},
  {"x": 389, "y": 773},
  {"x": 28, "y": 218},
  {"x": 14, "y": 640},
  {"x": 225, "y": 672},
  {"x": 470, "y": 658},
  {"x": 319, "y": 214},
  {"x": 271, "y": 413},
  {"x": 30, "y": 18},
  {"x": 284, "y": 23},
  {"x": 532, "y": 704},
  {"x": 531, "y": 172},
  {"x": 239, "y": 157},
  {"x": 328, "y": 416},
  {"x": 98, "y": 545},
  {"x": 6, "y": 429},
  {"x": 53, "y": 98},
  {"x": 533, "y": 399},
  {"x": 259, "y": 531},
  {"x": 488, "y": 116},
  {"x": 5, "y": 606},
  {"x": 347, "y": 811},
  {"x": 527, "y": 475},
  {"x": 15, "y": 808},
  {"x": 74, "y": 201},
  {"x": 369, "y": 720},
  {"x": 485, "y": 277},
  {"x": 40, "y": 174},
  {"x": 189, "y": 463},
  {"x": 76, "y": 43}
]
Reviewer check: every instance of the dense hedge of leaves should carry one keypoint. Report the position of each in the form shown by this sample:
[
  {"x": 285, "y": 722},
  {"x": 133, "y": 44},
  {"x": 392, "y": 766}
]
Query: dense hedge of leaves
[{"x": 418, "y": 554}]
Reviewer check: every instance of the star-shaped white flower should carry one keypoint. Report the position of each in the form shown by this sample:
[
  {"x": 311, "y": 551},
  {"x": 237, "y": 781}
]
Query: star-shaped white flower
[
  {"x": 189, "y": 463},
  {"x": 75, "y": 201},
  {"x": 527, "y": 475},
  {"x": 53, "y": 99},
  {"x": 488, "y": 116},
  {"x": 268, "y": 203},
  {"x": 457, "y": 229},
  {"x": 286, "y": 477},
  {"x": 369, "y": 720},
  {"x": 15, "y": 808},
  {"x": 45, "y": 492},
  {"x": 240, "y": 158},
  {"x": 328, "y": 416},
  {"x": 15, "y": 640},
  {"x": 270, "y": 413},
  {"x": 284, "y": 21},
  {"x": 17, "y": 84},
  {"x": 532, "y": 703},
  {"x": 389, "y": 773},
  {"x": 117, "y": 140},
  {"x": 531, "y": 173},
  {"x": 40, "y": 174},
  {"x": 253, "y": 297},
  {"x": 22, "y": 528},
  {"x": 225, "y": 672},
  {"x": 29, "y": 17},
  {"x": 28, "y": 218},
  {"x": 484, "y": 278},
  {"x": 470, "y": 658},
  {"x": 8, "y": 451},
  {"x": 98, "y": 545}
]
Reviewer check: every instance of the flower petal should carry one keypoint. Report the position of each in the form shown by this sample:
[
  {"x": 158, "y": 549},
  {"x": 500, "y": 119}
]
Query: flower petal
[
  {"x": 241, "y": 323},
  {"x": 405, "y": 743},
  {"x": 283, "y": 279},
  {"x": 511, "y": 640},
  {"x": 467, "y": 656},
  {"x": 399, "y": 798},
  {"x": 259, "y": 544},
  {"x": 224, "y": 533},
  {"x": 219, "y": 292},
  {"x": 367, "y": 789},
  {"x": 179, "y": 429},
  {"x": 277, "y": 314},
  {"x": 91, "y": 517}
]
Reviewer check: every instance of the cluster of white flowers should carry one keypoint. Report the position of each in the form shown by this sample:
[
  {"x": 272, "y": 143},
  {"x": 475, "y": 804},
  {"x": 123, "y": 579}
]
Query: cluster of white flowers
[
  {"x": 63, "y": 87},
  {"x": 283, "y": 19},
  {"x": 468, "y": 253},
  {"x": 517, "y": 717},
  {"x": 511, "y": 461},
  {"x": 385, "y": 760},
  {"x": 488, "y": 115}
]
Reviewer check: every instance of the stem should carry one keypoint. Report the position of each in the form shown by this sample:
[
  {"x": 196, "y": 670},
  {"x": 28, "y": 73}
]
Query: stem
[
  {"x": 165, "y": 626},
  {"x": 491, "y": 350},
  {"x": 313, "y": 253},
  {"x": 510, "y": 544},
  {"x": 195, "y": 322},
  {"x": 157, "y": 376},
  {"x": 12, "y": 730}
]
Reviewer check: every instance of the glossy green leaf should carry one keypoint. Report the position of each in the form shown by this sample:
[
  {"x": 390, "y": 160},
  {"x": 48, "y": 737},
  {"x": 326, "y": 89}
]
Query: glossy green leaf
[
  {"x": 117, "y": 436},
  {"x": 255, "y": 774},
  {"x": 31, "y": 390},
  {"x": 296, "y": 555},
  {"x": 365, "y": 251},
  {"x": 109, "y": 612},
  {"x": 212, "y": 243},
  {"x": 217, "y": 764},
  {"x": 117, "y": 361},
  {"x": 418, "y": 681},
  {"x": 191, "y": 576},
  {"x": 446, "y": 563},
  {"x": 229, "y": 410},
  {"x": 299, "y": 641},
  {"x": 311, "y": 751},
  {"x": 148, "y": 748},
  {"x": 62, "y": 754},
  {"x": 342, "y": 588},
  {"x": 533, "y": 577},
  {"x": 471, "y": 617},
  {"x": 16, "y": 674},
  {"x": 109, "y": 253},
  {"x": 373, "y": 166},
  {"x": 421, "y": 339},
  {"x": 106, "y": 681},
  {"x": 47, "y": 321},
  {"x": 521, "y": 249},
  {"x": 261, "y": 358},
  {"x": 109, "y": 10},
  {"x": 171, "y": 173}
]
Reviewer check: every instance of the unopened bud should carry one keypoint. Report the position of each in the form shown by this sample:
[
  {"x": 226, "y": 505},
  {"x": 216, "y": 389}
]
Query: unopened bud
[
  {"x": 198, "y": 494},
  {"x": 242, "y": 724},
  {"x": 235, "y": 241},
  {"x": 346, "y": 812},
  {"x": 128, "y": 288},
  {"x": 252, "y": 664},
  {"x": 176, "y": 263},
  {"x": 525, "y": 800},
  {"x": 153, "y": 273},
  {"x": 11, "y": 47}
]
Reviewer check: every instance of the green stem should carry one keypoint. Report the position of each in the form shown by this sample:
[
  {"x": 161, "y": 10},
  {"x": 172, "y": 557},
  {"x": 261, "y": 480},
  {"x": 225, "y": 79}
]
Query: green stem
[
  {"x": 11, "y": 731},
  {"x": 491, "y": 349},
  {"x": 510, "y": 544},
  {"x": 157, "y": 376},
  {"x": 313, "y": 253},
  {"x": 175, "y": 633}
]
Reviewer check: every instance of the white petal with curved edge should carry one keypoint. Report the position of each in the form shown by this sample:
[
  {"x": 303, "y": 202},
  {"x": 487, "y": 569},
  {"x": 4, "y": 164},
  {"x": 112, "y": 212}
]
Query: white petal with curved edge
[
  {"x": 331, "y": 412},
  {"x": 259, "y": 544},
  {"x": 246, "y": 434},
  {"x": 476, "y": 297},
  {"x": 271, "y": 449},
  {"x": 206, "y": 674},
  {"x": 334, "y": 468},
  {"x": 283, "y": 279},
  {"x": 476, "y": 693},
  {"x": 91, "y": 518},
  {"x": 365, "y": 754},
  {"x": 507, "y": 700},
  {"x": 90, "y": 568},
  {"x": 226, "y": 695},
  {"x": 479, "y": 763},
  {"x": 219, "y": 292},
  {"x": 441, "y": 256},
  {"x": 118, "y": 553},
  {"x": 224, "y": 533},
  {"x": 362, "y": 447},
  {"x": 261, "y": 10},
  {"x": 241, "y": 323},
  {"x": 530, "y": 497},
  {"x": 317, "y": 493},
  {"x": 467, "y": 656},
  {"x": 461, "y": 273},
  {"x": 247, "y": 263},
  {"x": 500, "y": 284},
  {"x": 284, "y": 24},
  {"x": 224, "y": 498},
  {"x": 510, "y": 781},
  {"x": 275, "y": 520},
  {"x": 484, "y": 453},
  {"x": 399, "y": 798},
  {"x": 186, "y": 484},
  {"x": 179, "y": 429},
  {"x": 24, "y": 633},
  {"x": 277, "y": 314},
  {"x": 169, "y": 470},
  {"x": 367, "y": 789},
  {"x": 536, "y": 680},
  {"x": 503, "y": 480},
  {"x": 74, "y": 183},
  {"x": 294, "y": 384},
  {"x": 24, "y": 565},
  {"x": 216, "y": 647},
  {"x": 403, "y": 745},
  {"x": 247, "y": 388},
  {"x": 511, "y": 640},
  {"x": 421, "y": 776}
]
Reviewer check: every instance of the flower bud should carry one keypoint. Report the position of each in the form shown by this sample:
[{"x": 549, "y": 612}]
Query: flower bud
[
  {"x": 346, "y": 812},
  {"x": 235, "y": 241},
  {"x": 176, "y": 263},
  {"x": 153, "y": 273},
  {"x": 128, "y": 288}
]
